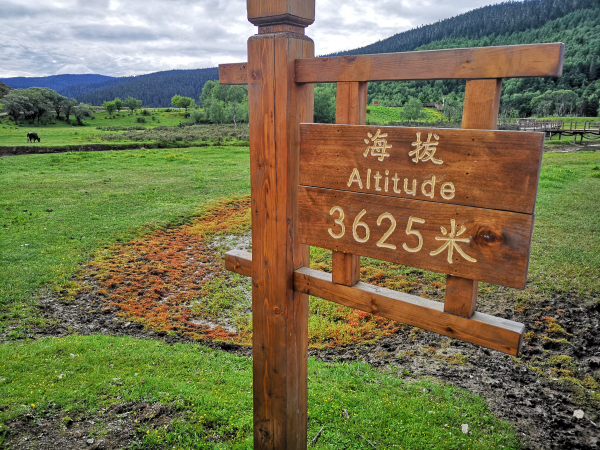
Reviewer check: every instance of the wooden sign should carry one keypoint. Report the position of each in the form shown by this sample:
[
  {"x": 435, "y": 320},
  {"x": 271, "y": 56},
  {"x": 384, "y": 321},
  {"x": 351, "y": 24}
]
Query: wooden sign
[
  {"x": 487, "y": 169},
  {"x": 459, "y": 202},
  {"x": 481, "y": 244}
]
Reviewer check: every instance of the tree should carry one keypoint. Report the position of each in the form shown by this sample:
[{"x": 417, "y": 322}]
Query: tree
[
  {"x": 68, "y": 108},
  {"x": 133, "y": 104},
  {"x": 182, "y": 102},
  {"x": 110, "y": 107},
  {"x": 217, "y": 111},
  {"x": 58, "y": 103},
  {"x": 41, "y": 100},
  {"x": 80, "y": 112},
  {"x": 453, "y": 108},
  {"x": 413, "y": 110},
  {"x": 15, "y": 104},
  {"x": 236, "y": 95},
  {"x": 197, "y": 115},
  {"x": 542, "y": 105},
  {"x": 325, "y": 103},
  {"x": 118, "y": 104}
]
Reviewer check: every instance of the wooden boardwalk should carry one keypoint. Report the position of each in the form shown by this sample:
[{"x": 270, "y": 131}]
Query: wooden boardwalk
[{"x": 589, "y": 130}]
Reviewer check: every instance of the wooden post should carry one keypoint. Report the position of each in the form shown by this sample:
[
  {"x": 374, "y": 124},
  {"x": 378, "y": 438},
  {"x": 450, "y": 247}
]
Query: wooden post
[
  {"x": 279, "y": 315},
  {"x": 482, "y": 104},
  {"x": 351, "y": 109}
]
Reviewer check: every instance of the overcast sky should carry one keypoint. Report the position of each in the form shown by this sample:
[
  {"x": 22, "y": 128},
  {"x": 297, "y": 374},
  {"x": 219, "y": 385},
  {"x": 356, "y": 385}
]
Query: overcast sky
[{"x": 132, "y": 37}]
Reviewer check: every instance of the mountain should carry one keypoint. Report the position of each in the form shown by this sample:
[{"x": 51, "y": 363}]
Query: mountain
[
  {"x": 153, "y": 89},
  {"x": 499, "y": 19},
  {"x": 579, "y": 30},
  {"x": 54, "y": 82}
]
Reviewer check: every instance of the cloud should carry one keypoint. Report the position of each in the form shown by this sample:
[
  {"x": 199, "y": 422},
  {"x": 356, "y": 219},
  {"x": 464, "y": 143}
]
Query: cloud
[{"x": 130, "y": 37}]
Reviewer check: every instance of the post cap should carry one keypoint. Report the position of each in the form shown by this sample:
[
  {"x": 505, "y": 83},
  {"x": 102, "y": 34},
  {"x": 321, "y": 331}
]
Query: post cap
[{"x": 281, "y": 12}]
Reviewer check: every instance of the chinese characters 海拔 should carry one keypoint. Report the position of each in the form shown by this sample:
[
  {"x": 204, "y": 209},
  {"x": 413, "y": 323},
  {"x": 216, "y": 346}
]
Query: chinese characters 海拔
[
  {"x": 424, "y": 151},
  {"x": 379, "y": 146}
]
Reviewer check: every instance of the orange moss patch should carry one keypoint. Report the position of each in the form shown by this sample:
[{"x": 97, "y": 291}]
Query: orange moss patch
[
  {"x": 174, "y": 281},
  {"x": 157, "y": 278}
]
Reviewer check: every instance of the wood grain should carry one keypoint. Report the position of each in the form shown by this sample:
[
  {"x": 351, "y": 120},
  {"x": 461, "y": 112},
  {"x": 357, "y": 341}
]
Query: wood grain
[
  {"x": 488, "y": 331},
  {"x": 276, "y": 12},
  {"x": 279, "y": 315},
  {"x": 350, "y": 108},
  {"x": 481, "y": 108},
  {"x": 233, "y": 73},
  {"x": 461, "y": 296},
  {"x": 499, "y": 241},
  {"x": 536, "y": 60},
  {"x": 239, "y": 261},
  {"x": 488, "y": 169}
]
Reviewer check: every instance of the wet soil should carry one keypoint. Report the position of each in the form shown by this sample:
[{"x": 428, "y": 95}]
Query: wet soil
[
  {"x": 541, "y": 392},
  {"x": 117, "y": 427}
]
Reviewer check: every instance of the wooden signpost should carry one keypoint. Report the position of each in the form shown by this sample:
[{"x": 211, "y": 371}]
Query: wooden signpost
[{"x": 458, "y": 202}]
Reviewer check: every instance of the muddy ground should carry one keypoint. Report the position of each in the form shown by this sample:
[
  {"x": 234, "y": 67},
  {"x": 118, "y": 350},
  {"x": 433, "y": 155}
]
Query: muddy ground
[{"x": 531, "y": 392}]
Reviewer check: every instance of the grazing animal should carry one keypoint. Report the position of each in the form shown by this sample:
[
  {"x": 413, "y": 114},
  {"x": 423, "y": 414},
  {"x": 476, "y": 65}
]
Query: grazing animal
[{"x": 32, "y": 137}]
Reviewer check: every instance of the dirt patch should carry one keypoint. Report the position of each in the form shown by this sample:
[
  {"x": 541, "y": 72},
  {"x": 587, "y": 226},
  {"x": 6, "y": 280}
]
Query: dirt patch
[{"x": 118, "y": 427}]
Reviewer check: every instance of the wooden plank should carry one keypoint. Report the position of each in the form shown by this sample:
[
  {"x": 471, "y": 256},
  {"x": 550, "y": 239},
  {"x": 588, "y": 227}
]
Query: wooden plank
[
  {"x": 279, "y": 315},
  {"x": 351, "y": 108},
  {"x": 351, "y": 103},
  {"x": 482, "y": 104},
  {"x": 482, "y": 329},
  {"x": 481, "y": 108},
  {"x": 475, "y": 243},
  {"x": 345, "y": 268},
  {"x": 488, "y": 169},
  {"x": 488, "y": 331},
  {"x": 233, "y": 73},
  {"x": 536, "y": 60},
  {"x": 239, "y": 261},
  {"x": 461, "y": 296}
]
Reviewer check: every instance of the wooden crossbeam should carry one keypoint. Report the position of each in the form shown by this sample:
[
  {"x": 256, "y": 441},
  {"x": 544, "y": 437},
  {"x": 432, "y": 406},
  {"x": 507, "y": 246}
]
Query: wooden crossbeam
[
  {"x": 521, "y": 61},
  {"x": 537, "y": 60},
  {"x": 481, "y": 329}
]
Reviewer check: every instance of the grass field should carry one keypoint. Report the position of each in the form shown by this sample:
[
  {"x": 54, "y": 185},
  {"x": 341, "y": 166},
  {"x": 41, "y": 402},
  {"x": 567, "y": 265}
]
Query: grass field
[
  {"x": 57, "y": 211},
  {"x": 383, "y": 115},
  {"x": 59, "y": 133}
]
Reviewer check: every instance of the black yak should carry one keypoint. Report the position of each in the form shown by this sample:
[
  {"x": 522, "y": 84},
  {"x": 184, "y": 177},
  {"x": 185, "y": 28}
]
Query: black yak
[{"x": 32, "y": 137}]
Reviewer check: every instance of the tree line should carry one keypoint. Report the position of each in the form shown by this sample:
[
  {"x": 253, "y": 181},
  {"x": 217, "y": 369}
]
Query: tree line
[
  {"x": 42, "y": 104},
  {"x": 577, "y": 92}
]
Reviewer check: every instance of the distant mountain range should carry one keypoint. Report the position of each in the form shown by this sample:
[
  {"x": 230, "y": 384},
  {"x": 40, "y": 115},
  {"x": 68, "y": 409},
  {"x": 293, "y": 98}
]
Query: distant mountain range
[
  {"x": 55, "y": 82},
  {"x": 153, "y": 89}
]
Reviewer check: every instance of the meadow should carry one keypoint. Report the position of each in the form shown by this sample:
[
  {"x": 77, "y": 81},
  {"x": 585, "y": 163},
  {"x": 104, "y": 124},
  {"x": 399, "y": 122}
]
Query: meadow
[
  {"x": 118, "y": 128},
  {"x": 62, "y": 215}
]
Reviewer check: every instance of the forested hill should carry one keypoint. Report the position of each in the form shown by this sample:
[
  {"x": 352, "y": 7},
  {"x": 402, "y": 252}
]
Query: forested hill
[
  {"x": 576, "y": 92},
  {"x": 154, "y": 89},
  {"x": 503, "y": 18},
  {"x": 54, "y": 82}
]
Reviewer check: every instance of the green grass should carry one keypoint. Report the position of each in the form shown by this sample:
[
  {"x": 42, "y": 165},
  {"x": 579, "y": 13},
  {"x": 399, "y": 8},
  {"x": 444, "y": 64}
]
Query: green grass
[
  {"x": 565, "y": 255},
  {"x": 56, "y": 210},
  {"x": 211, "y": 392},
  {"x": 383, "y": 115},
  {"x": 60, "y": 133}
]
